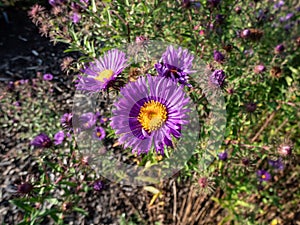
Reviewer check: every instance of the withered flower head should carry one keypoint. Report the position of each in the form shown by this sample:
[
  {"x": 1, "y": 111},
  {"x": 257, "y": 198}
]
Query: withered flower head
[
  {"x": 66, "y": 63},
  {"x": 35, "y": 11},
  {"x": 276, "y": 72}
]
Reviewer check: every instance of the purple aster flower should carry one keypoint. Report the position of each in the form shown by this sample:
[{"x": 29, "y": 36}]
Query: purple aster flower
[
  {"x": 259, "y": 69},
  {"x": 223, "y": 155},
  {"x": 245, "y": 33},
  {"x": 102, "y": 72},
  {"x": 176, "y": 64},
  {"x": 218, "y": 56},
  {"x": 276, "y": 164},
  {"x": 285, "y": 150},
  {"x": 87, "y": 120},
  {"x": 99, "y": 133},
  {"x": 279, "y": 4},
  {"x": 217, "y": 78},
  {"x": 279, "y": 48},
  {"x": 289, "y": 16},
  {"x": 59, "y": 137},
  {"x": 41, "y": 141},
  {"x": 98, "y": 185},
  {"x": 66, "y": 120},
  {"x": 48, "y": 76},
  {"x": 263, "y": 175},
  {"x": 150, "y": 111},
  {"x": 76, "y": 17}
]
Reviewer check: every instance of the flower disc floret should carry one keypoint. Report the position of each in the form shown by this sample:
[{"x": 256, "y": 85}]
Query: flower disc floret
[{"x": 152, "y": 115}]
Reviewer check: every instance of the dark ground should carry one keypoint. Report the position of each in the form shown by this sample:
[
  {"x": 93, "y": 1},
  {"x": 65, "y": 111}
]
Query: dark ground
[{"x": 24, "y": 53}]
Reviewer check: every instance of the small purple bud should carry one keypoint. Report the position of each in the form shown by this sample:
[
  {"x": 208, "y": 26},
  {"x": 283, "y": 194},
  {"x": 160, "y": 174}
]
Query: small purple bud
[
  {"x": 217, "y": 78},
  {"x": 279, "y": 48},
  {"x": 213, "y": 3},
  {"x": 289, "y": 16},
  {"x": 10, "y": 86},
  {"x": 259, "y": 69},
  {"x": 245, "y": 161},
  {"x": 223, "y": 156},
  {"x": 219, "y": 18},
  {"x": 59, "y": 137},
  {"x": 98, "y": 185},
  {"x": 25, "y": 188},
  {"x": 48, "y": 76},
  {"x": 218, "y": 56},
  {"x": 276, "y": 164},
  {"x": 17, "y": 103},
  {"x": 245, "y": 33},
  {"x": 238, "y": 9},
  {"x": 140, "y": 39},
  {"x": 249, "y": 52},
  {"x": 76, "y": 17},
  {"x": 52, "y": 2},
  {"x": 279, "y": 4}
]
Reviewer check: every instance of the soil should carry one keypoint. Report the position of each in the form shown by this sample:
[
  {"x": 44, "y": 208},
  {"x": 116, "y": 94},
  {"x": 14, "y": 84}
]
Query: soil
[{"x": 23, "y": 51}]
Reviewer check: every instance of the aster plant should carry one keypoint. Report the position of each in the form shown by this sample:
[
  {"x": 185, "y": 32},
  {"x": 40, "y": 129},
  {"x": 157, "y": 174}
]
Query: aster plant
[{"x": 260, "y": 61}]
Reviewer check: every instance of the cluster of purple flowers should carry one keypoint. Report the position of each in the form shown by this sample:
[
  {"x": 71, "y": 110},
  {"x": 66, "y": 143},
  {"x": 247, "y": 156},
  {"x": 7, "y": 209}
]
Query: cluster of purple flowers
[
  {"x": 43, "y": 140},
  {"x": 151, "y": 110}
]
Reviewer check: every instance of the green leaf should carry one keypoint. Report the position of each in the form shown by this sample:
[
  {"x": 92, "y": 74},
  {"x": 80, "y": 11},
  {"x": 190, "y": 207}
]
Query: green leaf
[
  {"x": 289, "y": 80},
  {"x": 22, "y": 204},
  {"x": 152, "y": 189},
  {"x": 80, "y": 210}
]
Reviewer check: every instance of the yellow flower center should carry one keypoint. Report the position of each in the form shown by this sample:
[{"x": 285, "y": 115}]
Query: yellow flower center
[
  {"x": 152, "y": 115},
  {"x": 105, "y": 74},
  {"x": 99, "y": 134},
  {"x": 263, "y": 176}
]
